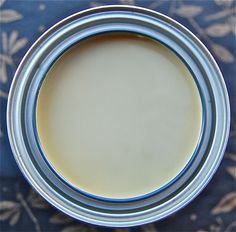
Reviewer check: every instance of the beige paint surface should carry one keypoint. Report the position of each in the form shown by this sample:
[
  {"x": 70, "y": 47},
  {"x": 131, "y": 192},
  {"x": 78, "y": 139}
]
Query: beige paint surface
[{"x": 118, "y": 116}]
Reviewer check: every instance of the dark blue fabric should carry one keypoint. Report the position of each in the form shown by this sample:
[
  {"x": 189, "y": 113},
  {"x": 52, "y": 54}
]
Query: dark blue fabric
[{"x": 22, "y": 22}]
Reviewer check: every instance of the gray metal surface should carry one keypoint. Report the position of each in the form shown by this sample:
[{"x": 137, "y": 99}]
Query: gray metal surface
[{"x": 23, "y": 134}]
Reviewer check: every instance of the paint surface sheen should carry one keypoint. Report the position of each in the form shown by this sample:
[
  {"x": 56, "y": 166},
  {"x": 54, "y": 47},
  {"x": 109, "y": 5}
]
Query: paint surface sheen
[{"x": 118, "y": 116}]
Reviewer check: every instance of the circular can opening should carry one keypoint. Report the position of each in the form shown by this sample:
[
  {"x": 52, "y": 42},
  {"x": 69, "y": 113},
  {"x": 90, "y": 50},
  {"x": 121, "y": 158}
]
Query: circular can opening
[{"x": 119, "y": 116}]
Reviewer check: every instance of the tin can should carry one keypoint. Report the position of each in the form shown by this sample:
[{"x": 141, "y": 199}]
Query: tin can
[{"x": 22, "y": 129}]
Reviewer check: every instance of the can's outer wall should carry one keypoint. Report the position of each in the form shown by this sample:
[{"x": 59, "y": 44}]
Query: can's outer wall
[{"x": 28, "y": 69}]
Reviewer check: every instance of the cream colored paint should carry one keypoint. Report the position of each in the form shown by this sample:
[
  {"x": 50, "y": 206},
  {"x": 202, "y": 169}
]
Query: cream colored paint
[{"x": 119, "y": 116}]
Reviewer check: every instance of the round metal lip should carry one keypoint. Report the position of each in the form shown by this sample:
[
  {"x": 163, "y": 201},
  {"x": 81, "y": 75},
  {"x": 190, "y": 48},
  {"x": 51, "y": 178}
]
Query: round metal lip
[
  {"x": 139, "y": 197},
  {"x": 149, "y": 215},
  {"x": 28, "y": 114}
]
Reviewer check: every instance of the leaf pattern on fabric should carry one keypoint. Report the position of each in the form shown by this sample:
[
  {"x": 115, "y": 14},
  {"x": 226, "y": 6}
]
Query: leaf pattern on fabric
[
  {"x": 36, "y": 201},
  {"x": 232, "y": 172},
  {"x": 79, "y": 228},
  {"x": 10, "y": 46},
  {"x": 127, "y": 2},
  {"x": 60, "y": 219},
  {"x": 230, "y": 156},
  {"x": 226, "y": 204},
  {"x": 232, "y": 23},
  {"x": 95, "y": 4},
  {"x": 224, "y": 2},
  {"x": 10, "y": 211},
  {"x": 188, "y": 11},
  {"x": 222, "y": 53},
  {"x": 218, "y": 30},
  {"x": 122, "y": 230},
  {"x": 149, "y": 228},
  {"x": 8, "y": 16}
]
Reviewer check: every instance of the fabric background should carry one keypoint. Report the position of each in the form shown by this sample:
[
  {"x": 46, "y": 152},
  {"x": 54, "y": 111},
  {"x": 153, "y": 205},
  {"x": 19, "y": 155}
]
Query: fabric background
[{"x": 23, "y": 21}]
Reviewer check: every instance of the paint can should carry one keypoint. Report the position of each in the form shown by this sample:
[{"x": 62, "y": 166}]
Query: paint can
[{"x": 21, "y": 116}]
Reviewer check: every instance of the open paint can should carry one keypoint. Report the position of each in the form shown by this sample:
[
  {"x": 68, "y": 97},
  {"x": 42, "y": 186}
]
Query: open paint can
[{"x": 118, "y": 116}]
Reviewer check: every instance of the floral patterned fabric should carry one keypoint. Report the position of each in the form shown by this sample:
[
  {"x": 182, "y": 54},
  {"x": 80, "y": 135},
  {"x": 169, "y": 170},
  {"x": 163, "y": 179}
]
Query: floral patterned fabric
[{"x": 23, "y": 21}]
